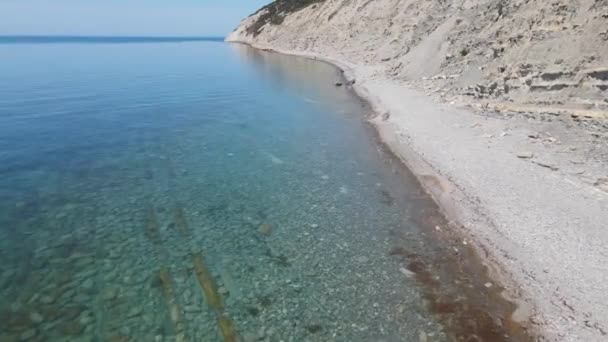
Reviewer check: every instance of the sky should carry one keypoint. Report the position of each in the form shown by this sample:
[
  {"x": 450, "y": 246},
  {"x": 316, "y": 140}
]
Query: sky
[{"x": 124, "y": 17}]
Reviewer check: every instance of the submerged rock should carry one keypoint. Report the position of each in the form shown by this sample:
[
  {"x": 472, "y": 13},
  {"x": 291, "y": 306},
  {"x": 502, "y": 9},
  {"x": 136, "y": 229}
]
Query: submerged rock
[
  {"x": 28, "y": 335},
  {"x": 72, "y": 328},
  {"x": 265, "y": 229},
  {"x": 36, "y": 317},
  {"x": 109, "y": 294},
  {"x": 135, "y": 311}
]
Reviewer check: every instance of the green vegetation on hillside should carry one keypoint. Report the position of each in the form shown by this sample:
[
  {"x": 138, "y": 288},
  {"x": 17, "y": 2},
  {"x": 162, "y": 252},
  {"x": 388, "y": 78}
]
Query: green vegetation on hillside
[{"x": 275, "y": 12}]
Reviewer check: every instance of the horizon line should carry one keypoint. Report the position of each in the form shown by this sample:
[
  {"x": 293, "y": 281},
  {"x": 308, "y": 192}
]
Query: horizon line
[
  {"x": 109, "y": 36},
  {"x": 82, "y": 39}
]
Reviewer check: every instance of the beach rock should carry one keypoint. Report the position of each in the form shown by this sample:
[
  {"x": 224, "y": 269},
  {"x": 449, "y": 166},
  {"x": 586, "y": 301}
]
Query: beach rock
[
  {"x": 525, "y": 154},
  {"x": 546, "y": 164},
  {"x": 602, "y": 184}
]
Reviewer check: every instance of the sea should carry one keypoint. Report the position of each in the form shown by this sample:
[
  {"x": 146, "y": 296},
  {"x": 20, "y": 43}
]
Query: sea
[{"x": 187, "y": 189}]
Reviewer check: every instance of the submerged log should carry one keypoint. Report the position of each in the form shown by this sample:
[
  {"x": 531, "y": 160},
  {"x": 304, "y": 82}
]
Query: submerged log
[
  {"x": 151, "y": 225},
  {"x": 175, "y": 312},
  {"x": 206, "y": 282},
  {"x": 226, "y": 328},
  {"x": 213, "y": 298}
]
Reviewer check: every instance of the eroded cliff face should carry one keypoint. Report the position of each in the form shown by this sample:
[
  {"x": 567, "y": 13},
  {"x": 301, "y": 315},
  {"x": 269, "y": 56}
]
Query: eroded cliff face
[{"x": 519, "y": 55}]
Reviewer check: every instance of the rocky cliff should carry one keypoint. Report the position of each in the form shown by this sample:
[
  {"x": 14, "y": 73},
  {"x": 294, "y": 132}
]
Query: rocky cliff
[{"x": 512, "y": 55}]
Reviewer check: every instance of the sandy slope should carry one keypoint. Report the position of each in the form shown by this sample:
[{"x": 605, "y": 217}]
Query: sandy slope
[
  {"x": 504, "y": 53},
  {"x": 530, "y": 188}
]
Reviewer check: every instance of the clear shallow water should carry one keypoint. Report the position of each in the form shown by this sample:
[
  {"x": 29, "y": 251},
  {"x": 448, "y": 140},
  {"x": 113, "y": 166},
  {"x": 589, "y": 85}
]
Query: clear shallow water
[{"x": 186, "y": 191}]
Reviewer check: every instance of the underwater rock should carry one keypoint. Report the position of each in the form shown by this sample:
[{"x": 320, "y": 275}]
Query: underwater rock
[
  {"x": 362, "y": 259},
  {"x": 72, "y": 312},
  {"x": 84, "y": 262},
  {"x": 229, "y": 283},
  {"x": 192, "y": 308},
  {"x": 72, "y": 328},
  {"x": 109, "y": 293},
  {"x": 50, "y": 313},
  {"x": 86, "y": 319},
  {"x": 118, "y": 338},
  {"x": 135, "y": 311},
  {"x": 253, "y": 311},
  {"x": 9, "y": 338},
  {"x": 35, "y": 317},
  {"x": 46, "y": 300},
  {"x": 250, "y": 337},
  {"x": 261, "y": 333},
  {"x": 126, "y": 331},
  {"x": 28, "y": 335},
  {"x": 14, "y": 321},
  {"x": 314, "y": 328},
  {"x": 265, "y": 229},
  {"x": 88, "y": 284}
]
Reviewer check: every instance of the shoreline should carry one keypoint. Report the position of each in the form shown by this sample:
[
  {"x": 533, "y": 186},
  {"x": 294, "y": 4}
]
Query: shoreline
[
  {"x": 436, "y": 185},
  {"x": 548, "y": 313}
]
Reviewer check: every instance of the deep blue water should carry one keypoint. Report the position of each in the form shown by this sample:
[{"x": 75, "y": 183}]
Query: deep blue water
[
  {"x": 125, "y": 167},
  {"x": 102, "y": 39}
]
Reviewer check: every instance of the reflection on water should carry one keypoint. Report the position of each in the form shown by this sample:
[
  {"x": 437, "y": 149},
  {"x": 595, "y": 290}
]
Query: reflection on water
[{"x": 207, "y": 192}]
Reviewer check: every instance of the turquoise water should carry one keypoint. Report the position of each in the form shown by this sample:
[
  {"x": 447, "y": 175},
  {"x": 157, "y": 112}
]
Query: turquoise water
[{"x": 187, "y": 191}]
